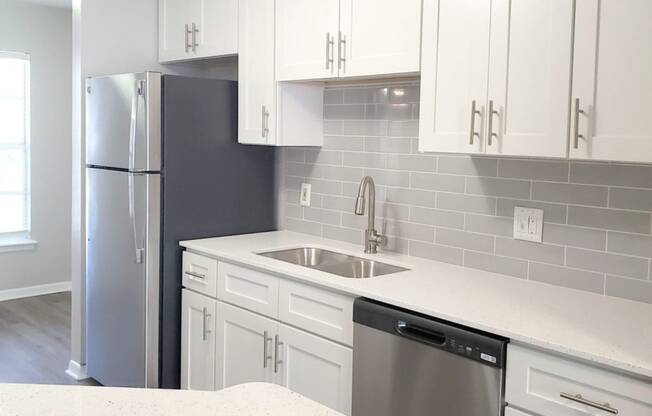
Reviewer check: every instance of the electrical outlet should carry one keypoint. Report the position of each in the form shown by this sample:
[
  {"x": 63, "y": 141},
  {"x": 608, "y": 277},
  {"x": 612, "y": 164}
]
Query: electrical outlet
[
  {"x": 528, "y": 224},
  {"x": 304, "y": 197}
]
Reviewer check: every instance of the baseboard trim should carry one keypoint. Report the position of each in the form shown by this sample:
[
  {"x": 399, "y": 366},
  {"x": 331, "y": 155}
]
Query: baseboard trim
[
  {"x": 76, "y": 371},
  {"x": 26, "y": 292}
]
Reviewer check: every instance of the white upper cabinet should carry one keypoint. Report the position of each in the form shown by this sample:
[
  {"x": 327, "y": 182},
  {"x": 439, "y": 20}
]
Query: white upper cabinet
[
  {"x": 529, "y": 78},
  {"x": 173, "y": 20},
  {"x": 306, "y": 38},
  {"x": 612, "y": 81},
  {"x": 193, "y": 29},
  {"x": 496, "y": 77},
  {"x": 271, "y": 113},
  {"x": 257, "y": 86},
  {"x": 346, "y": 38},
  {"x": 217, "y": 28},
  {"x": 379, "y": 37},
  {"x": 454, "y": 66}
]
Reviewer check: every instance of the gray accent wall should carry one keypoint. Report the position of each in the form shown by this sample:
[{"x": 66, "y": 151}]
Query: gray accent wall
[{"x": 459, "y": 209}]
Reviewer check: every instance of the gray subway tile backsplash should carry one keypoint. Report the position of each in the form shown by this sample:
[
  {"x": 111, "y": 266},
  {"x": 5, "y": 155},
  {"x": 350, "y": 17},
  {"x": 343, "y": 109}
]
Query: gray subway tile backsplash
[
  {"x": 564, "y": 276},
  {"x": 570, "y": 193},
  {"x": 459, "y": 209},
  {"x": 610, "y": 219},
  {"x": 541, "y": 170}
]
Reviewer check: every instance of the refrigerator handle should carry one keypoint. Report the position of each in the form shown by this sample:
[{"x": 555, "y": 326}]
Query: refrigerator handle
[
  {"x": 139, "y": 91},
  {"x": 132, "y": 217},
  {"x": 139, "y": 87}
]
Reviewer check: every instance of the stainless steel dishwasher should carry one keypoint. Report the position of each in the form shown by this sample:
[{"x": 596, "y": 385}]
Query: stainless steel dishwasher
[{"x": 407, "y": 364}]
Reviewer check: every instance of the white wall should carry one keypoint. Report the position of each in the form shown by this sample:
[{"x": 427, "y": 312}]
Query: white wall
[
  {"x": 112, "y": 37},
  {"x": 45, "y": 33}
]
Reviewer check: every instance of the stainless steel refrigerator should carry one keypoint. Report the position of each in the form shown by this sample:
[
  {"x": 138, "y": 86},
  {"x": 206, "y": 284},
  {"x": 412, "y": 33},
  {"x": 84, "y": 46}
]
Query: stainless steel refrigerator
[{"x": 162, "y": 165}]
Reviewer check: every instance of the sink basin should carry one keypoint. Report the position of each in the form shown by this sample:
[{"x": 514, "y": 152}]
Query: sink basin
[{"x": 333, "y": 262}]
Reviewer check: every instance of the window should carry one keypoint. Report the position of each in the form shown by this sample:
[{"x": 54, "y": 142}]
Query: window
[{"x": 14, "y": 146}]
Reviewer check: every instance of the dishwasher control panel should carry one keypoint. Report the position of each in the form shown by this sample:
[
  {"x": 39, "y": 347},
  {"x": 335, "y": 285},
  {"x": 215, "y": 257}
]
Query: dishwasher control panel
[{"x": 472, "y": 344}]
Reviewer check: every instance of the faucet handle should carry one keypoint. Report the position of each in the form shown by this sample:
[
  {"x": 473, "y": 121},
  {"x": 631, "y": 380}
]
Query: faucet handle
[{"x": 377, "y": 238}]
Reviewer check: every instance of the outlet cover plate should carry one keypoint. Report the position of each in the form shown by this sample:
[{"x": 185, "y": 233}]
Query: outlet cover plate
[
  {"x": 528, "y": 224},
  {"x": 304, "y": 196}
]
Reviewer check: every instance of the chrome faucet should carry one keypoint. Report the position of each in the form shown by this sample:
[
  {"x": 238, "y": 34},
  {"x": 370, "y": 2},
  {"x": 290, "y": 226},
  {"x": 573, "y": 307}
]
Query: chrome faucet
[{"x": 372, "y": 239}]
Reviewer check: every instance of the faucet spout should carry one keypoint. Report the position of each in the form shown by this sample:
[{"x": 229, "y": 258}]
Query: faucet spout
[{"x": 372, "y": 238}]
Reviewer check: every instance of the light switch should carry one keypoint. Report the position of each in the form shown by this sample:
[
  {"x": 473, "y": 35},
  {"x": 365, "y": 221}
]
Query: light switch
[
  {"x": 528, "y": 224},
  {"x": 304, "y": 197}
]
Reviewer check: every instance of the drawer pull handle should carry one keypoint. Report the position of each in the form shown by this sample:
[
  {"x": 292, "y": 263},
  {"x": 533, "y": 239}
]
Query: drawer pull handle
[
  {"x": 579, "y": 399},
  {"x": 197, "y": 275}
]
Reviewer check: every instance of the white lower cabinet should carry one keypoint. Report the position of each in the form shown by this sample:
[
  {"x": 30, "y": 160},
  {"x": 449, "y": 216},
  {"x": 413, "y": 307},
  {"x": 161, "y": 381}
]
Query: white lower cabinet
[
  {"x": 197, "y": 341},
  {"x": 245, "y": 335},
  {"x": 252, "y": 348},
  {"x": 548, "y": 385},
  {"x": 316, "y": 368},
  {"x": 244, "y": 346}
]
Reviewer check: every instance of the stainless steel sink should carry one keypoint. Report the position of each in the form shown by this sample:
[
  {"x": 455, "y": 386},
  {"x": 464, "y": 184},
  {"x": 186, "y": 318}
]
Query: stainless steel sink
[{"x": 333, "y": 262}]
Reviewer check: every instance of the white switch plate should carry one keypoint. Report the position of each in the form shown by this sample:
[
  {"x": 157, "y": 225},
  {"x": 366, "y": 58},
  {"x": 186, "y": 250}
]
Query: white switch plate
[
  {"x": 528, "y": 224},
  {"x": 304, "y": 197}
]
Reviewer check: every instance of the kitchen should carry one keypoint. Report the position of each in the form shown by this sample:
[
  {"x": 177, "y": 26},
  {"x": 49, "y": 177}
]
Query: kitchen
[{"x": 462, "y": 194}]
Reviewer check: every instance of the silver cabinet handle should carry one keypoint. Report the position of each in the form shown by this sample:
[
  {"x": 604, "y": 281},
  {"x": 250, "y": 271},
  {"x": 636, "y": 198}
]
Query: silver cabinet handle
[
  {"x": 329, "y": 50},
  {"x": 341, "y": 50},
  {"x": 266, "y": 357},
  {"x": 474, "y": 112},
  {"x": 577, "y": 135},
  {"x": 187, "y": 32},
  {"x": 596, "y": 405},
  {"x": 265, "y": 122},
  {"x": 205, "y": 330},
  {"x": 194, "y": 37},
  {"x": 490, "y": 127},
  {"x": 277, "y": 343},
  {"x": 197, "y": 275}
]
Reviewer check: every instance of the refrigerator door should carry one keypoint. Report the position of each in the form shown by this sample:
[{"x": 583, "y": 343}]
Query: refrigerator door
[
  {"x": 122, "y": 277},
  {"x": 123, "y": 118}
]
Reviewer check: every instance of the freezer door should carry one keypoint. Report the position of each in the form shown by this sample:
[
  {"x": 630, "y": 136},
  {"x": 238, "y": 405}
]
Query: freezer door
[
  {"x": 123, "y": 119},
  {"x": 122, "y": 277}
]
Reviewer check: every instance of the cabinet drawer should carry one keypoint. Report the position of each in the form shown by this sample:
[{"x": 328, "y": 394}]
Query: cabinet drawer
[
  {"x": 200, "y": 273},
  {"x": 316, "y": 310},
  {"x": 249, "y": 289},
  {"x": 536, "y": 381}
]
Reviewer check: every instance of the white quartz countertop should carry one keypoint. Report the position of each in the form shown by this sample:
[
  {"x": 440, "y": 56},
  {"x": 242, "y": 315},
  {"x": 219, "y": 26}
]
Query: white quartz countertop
[
  {"x": 252, "y": 399},
  {"x": 607, "y": 331}
]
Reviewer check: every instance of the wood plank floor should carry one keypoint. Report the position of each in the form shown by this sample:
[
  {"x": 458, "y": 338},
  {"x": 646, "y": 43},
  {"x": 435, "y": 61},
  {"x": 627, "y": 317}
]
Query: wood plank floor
[{"x": 35, "y": 340}]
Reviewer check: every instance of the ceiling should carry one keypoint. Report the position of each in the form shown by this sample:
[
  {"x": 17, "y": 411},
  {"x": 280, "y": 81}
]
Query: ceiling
[{"x": 53, "y": 3}]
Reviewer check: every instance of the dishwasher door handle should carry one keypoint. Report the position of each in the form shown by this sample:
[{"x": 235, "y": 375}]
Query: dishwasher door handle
[{"x": 421, "y": 334}]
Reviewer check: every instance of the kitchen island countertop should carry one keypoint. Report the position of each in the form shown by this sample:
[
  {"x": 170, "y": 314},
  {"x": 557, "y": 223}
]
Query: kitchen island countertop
[{"x": 259, "y": 399}]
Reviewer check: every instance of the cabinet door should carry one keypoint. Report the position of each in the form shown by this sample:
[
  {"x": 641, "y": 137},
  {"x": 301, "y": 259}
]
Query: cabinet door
[
  {"x": 174, "y": 42},
  {"x": 256, "y": 98},
  {"x": 244, "y": 347},
  {"x": 529, "y": 77},
  {"x": 379, "y": 37},
  {"x": 197, "y": 341},
  {"x": 316, "y": 368},
  {"x": 216, "y": 25},
  {"x": 454, "y": 65},
  {"x": 612, "y": 79},
  {"x": 306, "y": 39}
]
